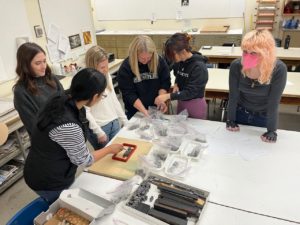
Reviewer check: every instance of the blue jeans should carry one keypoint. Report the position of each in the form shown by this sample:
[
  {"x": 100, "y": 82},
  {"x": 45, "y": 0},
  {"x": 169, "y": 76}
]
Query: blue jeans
[
  {"x": 258, "y": 119},
  {"x": 110, "y": 129},
  {"x": 49, "y": 196}
]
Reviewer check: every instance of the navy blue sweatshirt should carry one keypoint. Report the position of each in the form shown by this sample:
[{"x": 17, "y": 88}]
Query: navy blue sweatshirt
[
  {"x": 146, "y": 89},
  {"x": 191, "y": 78}
]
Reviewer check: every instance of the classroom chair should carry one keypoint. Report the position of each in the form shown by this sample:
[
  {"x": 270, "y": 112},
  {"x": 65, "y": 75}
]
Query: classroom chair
[{"x": 26, "y": 215}]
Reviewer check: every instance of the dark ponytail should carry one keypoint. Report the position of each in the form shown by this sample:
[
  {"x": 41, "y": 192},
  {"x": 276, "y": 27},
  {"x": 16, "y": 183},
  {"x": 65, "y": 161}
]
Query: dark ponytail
[
  {"x": 176, "y": 43},
  {"x": 85, "y": 84}
]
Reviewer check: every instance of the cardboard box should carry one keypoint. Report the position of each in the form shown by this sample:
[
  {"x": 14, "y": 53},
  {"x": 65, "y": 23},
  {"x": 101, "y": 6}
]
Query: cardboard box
[{"x": 81, "y": 202}]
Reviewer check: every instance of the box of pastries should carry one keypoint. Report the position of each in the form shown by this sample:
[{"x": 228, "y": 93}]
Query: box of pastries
[{"x": 75, "y": 207}]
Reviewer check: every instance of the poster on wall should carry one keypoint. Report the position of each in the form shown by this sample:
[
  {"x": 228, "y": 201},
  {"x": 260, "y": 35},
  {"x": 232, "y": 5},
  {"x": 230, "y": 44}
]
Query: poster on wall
[
  {"x": 87, "y": 37},
  {"x": 75, "y": 41}
]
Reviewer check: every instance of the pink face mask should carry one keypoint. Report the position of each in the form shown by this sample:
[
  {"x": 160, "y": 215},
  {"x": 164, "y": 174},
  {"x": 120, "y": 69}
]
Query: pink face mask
[{"x": 249, "y": 60}]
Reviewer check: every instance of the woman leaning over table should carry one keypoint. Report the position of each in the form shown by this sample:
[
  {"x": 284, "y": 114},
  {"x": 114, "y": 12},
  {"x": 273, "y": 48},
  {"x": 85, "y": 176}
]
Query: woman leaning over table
[
  {"x": 191, "y": 76},
  {"x": 35, "y": 83},
  {"x": 143, "y": 76},
  {"x": 58, "y": 141},
  {"x": 108, "y": 111},
  {"x": 256, "y": 83}
]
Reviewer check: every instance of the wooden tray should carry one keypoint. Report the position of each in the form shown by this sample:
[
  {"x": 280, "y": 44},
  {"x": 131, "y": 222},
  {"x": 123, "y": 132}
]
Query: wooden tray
[
  {"x": 214, "y": 29},
  {"x": 117, "y": 169}
]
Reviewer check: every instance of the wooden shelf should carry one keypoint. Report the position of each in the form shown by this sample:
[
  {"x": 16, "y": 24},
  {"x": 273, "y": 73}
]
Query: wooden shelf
[
  {"x": 261, "y": 14},
  {"x": 266, "y": 14},
  {"x": 9, "y": 156},
  {"x": 265, "y": 22},
  {"x": 264, "y": 28}
]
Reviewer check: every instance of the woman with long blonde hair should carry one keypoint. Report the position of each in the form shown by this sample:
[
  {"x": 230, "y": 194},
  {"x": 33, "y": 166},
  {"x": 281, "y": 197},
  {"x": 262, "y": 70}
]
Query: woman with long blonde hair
[
  {"x": 108, "y": 113},
  {"x": 143, "y": 76},
  {"x": 256, "y": 83}
]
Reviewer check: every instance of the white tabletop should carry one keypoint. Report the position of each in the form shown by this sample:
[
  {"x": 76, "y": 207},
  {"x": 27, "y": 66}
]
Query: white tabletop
[
  {"x": 212, "y": 215},
  {"x": 236, "y": 52},
  {"x": 239, "y": 170}
]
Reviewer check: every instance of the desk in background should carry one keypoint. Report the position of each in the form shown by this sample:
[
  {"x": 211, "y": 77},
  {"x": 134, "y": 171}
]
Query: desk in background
[
  {"x": 223, "y": 54},
  {"x": 218, "y": 86}
]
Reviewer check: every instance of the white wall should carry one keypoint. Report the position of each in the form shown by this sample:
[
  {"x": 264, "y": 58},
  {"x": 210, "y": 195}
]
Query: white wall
[{"x": 246, "y": 23}]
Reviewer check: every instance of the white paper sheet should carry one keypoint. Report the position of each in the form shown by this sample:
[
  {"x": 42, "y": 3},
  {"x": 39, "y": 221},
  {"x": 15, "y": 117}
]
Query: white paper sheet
[
  {"x": 53, "y": 52},
  {"x": 63, "y": 44},
  {"x": 53, "y": 33}
]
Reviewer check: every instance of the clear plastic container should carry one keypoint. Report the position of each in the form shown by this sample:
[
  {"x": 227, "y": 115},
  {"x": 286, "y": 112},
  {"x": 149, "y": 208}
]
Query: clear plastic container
[
  {"x": 191, "y": 149},
  {"x": 177, "y": 166}
]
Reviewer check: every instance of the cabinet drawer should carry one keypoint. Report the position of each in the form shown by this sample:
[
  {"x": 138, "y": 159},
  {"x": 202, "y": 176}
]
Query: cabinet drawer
[
  {"x": 106, "y": 41},
  {"x": 124, "y": 41},
  {"x": 122, "y": 53}
]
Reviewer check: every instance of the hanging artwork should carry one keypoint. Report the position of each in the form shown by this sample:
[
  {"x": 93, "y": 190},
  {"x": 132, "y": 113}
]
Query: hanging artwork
[
  {"x": 75, "y": 41},
  {"x": 87, "y": 37}
]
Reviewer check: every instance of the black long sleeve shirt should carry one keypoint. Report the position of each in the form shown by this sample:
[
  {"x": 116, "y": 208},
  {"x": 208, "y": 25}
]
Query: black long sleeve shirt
[
  {"x": 254, "y": 96},
  {"x": 28, "y": 104},
  {"x": 191, "y": 78},
  {"x": 145, "y": 89}
]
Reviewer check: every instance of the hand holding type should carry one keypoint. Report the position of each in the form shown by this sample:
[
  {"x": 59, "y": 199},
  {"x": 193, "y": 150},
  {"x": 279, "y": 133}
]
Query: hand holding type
[
  {"x": 232, "y": 125},
  {"x": 161, "y": 99},
  {"x": 102, "y": 139},
  {"x": 115, "y": 148},
  {"x": 163, "y": 107},
  {"x": 175, "y": 88},
  {"x": 269, "y": 136}
]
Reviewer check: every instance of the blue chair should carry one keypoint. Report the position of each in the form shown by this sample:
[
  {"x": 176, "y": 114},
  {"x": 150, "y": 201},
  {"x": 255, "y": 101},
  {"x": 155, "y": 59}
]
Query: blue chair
[{"x": 26, "y": 215}]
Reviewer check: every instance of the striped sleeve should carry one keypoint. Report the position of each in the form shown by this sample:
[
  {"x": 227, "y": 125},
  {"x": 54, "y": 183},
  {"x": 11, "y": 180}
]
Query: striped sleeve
[{"x": 70, "y": 137}]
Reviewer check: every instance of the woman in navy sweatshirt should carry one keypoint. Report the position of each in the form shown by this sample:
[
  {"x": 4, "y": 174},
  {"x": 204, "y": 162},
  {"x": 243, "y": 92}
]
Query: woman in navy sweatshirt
[{"x": 143, "y": 76}]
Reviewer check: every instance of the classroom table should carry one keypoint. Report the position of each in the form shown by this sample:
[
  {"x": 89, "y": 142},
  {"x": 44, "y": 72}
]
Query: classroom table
[
  {"x": 213, "y": 214},
  {"x": 241, "y": 171},
  {"x": 218, "y": 86},
  {"x": 226, "y": 54}
]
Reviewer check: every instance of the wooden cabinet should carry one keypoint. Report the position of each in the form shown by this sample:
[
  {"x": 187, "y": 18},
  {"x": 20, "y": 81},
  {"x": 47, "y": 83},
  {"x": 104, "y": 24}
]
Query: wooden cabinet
[
  {"x": 291, "y": 8},
  {"x": 119, "y": 44},
  {"x": 266, "y": 14},
  {"x": 295, "y": 37}
]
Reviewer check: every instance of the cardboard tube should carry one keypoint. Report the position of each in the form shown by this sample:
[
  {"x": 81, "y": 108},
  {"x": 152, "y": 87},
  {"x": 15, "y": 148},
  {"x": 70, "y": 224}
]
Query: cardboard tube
[{"x": 3, "y": 133}]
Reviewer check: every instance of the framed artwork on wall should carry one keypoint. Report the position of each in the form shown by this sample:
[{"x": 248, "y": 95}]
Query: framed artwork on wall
[{"x": 75, "y": 41}]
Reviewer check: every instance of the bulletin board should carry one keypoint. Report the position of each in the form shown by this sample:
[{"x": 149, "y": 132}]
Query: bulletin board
[
  {"x": 72, "y": 18},
  {"x": 167, "y": 9},
  {"x": 13, "y": 23}
]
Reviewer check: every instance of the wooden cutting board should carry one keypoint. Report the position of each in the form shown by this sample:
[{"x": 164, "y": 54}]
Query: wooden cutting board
[
  {"x": 117, "y": 169},
  {"x": 214, "y": 29}
]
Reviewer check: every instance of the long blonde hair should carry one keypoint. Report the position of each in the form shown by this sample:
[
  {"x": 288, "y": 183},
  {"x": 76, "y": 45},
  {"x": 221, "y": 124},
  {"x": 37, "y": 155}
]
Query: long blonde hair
[
  {"x": 263, "y": 43},
  {"x": 93, "y": 57},
  {"x": 141, "y": 44}
]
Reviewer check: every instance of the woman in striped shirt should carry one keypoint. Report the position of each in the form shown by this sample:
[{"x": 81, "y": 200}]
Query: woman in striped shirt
[{"x": 58, "y": 140}]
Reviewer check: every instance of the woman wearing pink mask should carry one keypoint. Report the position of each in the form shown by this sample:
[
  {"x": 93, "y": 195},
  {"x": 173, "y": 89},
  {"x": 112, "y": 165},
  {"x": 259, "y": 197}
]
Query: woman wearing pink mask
[{"x": 256, "y": 83}]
